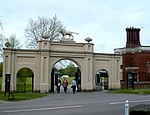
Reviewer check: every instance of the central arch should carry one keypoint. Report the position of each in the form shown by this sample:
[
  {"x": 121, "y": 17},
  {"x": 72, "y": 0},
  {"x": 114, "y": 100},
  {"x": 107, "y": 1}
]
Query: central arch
[{"x": 55, "y": 74}]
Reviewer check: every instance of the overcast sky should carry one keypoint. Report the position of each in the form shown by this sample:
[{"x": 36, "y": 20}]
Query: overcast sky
[{"x": 102, "y": 20}]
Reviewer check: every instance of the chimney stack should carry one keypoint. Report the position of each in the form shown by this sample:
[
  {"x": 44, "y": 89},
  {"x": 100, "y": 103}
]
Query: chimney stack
[{"x": 133, "y": 37}]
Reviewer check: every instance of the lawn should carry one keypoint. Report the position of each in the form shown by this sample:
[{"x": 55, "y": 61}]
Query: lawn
[
  {"x": 25, "y": 96},
  {"x": 21, "y": 96},
  {"x": 131, "y": 91}
]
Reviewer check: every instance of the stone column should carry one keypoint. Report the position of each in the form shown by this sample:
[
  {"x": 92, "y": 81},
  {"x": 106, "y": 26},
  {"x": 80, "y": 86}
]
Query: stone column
[
  {"x": 44, "y": 73},
  {"x": 88, "y": 64},
  {"x": 7, "y": 62},
  {"x": 43, "y": 46}
]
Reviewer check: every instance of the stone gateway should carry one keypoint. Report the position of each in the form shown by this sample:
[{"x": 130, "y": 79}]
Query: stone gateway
[{"x": 98, "y": 70}]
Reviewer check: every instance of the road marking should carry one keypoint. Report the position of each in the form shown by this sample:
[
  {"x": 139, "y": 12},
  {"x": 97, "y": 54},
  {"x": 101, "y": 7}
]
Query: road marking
[
  {"x": 137, "y": 101},
  {"x": 41, "y": 109}
]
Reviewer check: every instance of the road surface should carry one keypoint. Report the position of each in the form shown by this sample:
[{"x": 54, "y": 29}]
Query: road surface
[{"x": 80, "y": 103}]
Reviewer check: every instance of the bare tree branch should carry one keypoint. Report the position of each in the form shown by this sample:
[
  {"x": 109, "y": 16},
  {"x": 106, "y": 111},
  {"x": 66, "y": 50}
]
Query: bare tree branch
[
  {"x": 42, "y": 26},
  {"x": 1, "y": 42}
]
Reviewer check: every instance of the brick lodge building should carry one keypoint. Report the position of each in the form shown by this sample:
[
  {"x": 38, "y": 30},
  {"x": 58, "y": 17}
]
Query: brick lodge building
[{"x": 135, "y": 61}]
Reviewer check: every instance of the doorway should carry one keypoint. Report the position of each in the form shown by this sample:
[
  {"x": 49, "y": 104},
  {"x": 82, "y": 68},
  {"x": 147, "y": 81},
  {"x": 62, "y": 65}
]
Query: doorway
[
  {"x": 102, "y": 79},
  {"x": 69, "y": 70},
  {"x": 25, "y": 81}
]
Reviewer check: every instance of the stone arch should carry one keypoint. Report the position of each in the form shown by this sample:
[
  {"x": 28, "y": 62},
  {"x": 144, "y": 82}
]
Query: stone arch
[
  {"x": 31, "y": 67},
  {"x": 102, "y": 79},
  {"x": 66, "y": 58},
  {"x": 78, "y": 70},
  {"x": 24, "y": 80}
]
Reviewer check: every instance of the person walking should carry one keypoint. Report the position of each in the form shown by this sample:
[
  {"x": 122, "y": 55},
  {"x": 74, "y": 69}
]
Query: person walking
[
  {"x": 65, "y": 85},
  {"x": 74, "y": 85},
  {"x": 58, "y": 85}
]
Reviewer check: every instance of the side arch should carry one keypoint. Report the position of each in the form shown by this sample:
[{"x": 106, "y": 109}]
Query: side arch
[
  {"x": 24, "y": 80},
  {"x": 102, "y": 79}
]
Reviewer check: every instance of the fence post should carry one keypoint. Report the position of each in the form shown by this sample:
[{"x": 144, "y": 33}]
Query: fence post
[{"x": 127, "y": 107}]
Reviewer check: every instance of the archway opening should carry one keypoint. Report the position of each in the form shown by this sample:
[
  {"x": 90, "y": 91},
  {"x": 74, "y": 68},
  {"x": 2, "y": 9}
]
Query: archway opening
[
  {"x": 102, "y": 79},
  {"x": 24, "y": 80},
  {"x": 65, "y": 69}
]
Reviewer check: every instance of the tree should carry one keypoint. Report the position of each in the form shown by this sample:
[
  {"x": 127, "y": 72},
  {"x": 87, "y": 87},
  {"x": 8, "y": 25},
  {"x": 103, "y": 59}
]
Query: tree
[
  {"x": 1, "y": 47},
  {"x": 1, "y": 42},
  {"x": 62, "y": 64},
  {"x": 69, "y": 70},
  {"x": 14, "y": 43},
  {"x": 62, "y": 71},
  {"x": 42, "y": 26}
]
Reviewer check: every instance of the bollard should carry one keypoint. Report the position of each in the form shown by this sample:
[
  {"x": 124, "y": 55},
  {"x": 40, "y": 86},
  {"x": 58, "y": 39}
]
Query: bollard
[{"x": 127, "y": 107}]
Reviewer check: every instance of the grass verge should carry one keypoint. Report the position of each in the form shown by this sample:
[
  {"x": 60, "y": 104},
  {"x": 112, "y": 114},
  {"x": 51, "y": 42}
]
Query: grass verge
[
  {"x": 21, "y": 96},
  {"x": 130, "y": 91}
]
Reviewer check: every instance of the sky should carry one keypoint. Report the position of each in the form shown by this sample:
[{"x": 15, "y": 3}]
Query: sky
[{"x": 104, "y": 21}]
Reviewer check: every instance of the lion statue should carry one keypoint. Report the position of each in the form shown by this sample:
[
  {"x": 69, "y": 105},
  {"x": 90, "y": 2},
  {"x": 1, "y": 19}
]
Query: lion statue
[{"x": 67, "y": 33}]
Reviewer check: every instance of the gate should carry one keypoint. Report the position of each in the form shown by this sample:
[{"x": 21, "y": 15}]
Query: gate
[
  {"x": 78, "y": 79},
  {"x": 21, "y": 84},
  {"x": 104, "y": 83},
  {"x": 52, "y": 80},
  {"x": 25, "y": 80},
  {"x": 102, "y": 79}
]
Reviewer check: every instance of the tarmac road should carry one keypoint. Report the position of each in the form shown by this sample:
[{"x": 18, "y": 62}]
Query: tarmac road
[{"x": 80, "y": 103}]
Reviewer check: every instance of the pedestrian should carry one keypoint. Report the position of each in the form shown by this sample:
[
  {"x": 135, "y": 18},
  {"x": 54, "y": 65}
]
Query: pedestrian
[
  {"x": 58, "y": 85},
  {"x": 65, "y": 85},
  {"x": 74, "y": 85}
]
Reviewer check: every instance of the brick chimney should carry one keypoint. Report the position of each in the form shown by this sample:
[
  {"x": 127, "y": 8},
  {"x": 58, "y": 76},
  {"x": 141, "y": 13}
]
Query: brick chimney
[{"x": 133, "y": 37}]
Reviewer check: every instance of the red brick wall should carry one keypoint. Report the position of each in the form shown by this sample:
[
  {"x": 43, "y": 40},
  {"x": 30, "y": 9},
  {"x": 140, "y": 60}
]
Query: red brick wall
[
  {"x": 137, "y": 85},
  {"x": 137, "y": 59}
]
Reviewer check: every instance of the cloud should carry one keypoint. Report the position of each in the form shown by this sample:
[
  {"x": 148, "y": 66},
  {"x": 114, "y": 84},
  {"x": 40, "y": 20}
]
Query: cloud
[{"x": 102, "y": 20}]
